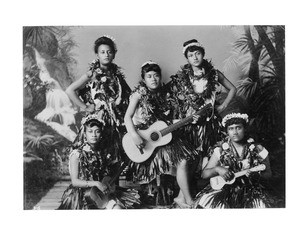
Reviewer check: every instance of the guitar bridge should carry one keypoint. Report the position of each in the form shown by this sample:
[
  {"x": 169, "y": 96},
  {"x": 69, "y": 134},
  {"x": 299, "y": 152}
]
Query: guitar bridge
[{"x": 141, "y": 151}]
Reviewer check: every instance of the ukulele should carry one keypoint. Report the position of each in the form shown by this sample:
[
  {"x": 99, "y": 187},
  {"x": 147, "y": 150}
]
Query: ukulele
[
  {"x": 218, "y": 182},
  {"x": 96, "y": 197},
  {"x": 158, "y": 134}
]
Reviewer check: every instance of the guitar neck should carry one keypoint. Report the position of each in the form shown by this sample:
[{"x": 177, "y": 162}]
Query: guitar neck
[
  {"x": 184, "y": 121},
  {"x": 254, "y": 169},
  {"x": 176, "y": 125}
]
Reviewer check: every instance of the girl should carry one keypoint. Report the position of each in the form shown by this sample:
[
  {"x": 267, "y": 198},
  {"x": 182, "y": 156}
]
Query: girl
[
  {"x": 103, "y": 89},
  {"x": 192, "y": 87},
  {"x": 149, "y": 103},
  {"x": 88, "y": 164},
  {"x": 234, "y": 154}
]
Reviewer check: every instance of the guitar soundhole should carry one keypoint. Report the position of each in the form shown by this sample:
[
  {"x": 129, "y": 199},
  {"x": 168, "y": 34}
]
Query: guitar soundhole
[{"x": 154, "y": 136}]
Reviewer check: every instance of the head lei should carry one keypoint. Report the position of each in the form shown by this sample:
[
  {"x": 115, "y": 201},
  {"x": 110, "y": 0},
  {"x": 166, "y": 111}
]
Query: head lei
[
  {"x": 197, "y": 44},
  {"x": 148, "y": 62},
  {"x": 97, "y": 117},
  {"x": 234, "y": 115},
  {"x": 113, "y": 40}
]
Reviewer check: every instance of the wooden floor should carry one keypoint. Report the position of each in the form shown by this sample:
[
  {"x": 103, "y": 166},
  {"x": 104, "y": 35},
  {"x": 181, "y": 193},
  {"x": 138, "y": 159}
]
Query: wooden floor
[{"x": 52, "y": 199}]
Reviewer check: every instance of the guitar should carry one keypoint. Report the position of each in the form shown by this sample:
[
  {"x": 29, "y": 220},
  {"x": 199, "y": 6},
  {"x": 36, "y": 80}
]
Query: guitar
[
  {"x": 158, "y": 134},
  {"x": 96, "y": 197},
  {"x": 218, "y": 182}
]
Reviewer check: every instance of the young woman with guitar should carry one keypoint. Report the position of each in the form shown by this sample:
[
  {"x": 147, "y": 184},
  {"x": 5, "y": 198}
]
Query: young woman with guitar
[
  {"x": 148, "y": 104},
  {"x": 235, "y": 169},
  {"x": 90, "y": 168}
]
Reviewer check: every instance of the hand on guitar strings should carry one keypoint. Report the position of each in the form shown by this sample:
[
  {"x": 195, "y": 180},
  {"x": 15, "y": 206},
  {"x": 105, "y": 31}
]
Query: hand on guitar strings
[
  {"x": 226, "y": 173},
  {"x": 248, "y": 173},
  {"x": 138, "y": 141}
]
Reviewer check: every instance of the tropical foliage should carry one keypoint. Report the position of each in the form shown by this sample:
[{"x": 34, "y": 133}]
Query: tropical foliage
[
  {"x": 54, "y": 44},
  {"x": 260, "y": 52},
  {"x": 52, "y": 40}
]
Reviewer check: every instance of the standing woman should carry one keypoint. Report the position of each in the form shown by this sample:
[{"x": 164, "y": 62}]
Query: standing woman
[
  {"x": 192, "y": 87},
  {"x": 149, "y": 103},
  {"x": 103, "y": 89}
]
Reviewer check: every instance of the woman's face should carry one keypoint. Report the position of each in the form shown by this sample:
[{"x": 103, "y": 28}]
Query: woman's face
[
  {"x": 105, "y": 54},
  {"x": 93, "y": 134},
  {"x": 195, "y": 58},
  {"x": 152, "y": 80},
  {"x": 236, "y": 132}
]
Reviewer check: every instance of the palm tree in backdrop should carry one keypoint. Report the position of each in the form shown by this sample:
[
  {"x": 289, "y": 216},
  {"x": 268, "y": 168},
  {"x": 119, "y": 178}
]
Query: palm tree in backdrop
[{"x": 260, "y": 52}]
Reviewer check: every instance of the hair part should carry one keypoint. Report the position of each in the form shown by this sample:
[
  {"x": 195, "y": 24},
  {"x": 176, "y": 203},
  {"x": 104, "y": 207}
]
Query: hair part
[
  {"x": 105, "y": 41},
  {"x": 150, "y": 67}
]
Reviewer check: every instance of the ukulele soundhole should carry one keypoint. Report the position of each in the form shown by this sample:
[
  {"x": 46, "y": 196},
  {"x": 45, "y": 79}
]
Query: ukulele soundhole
[{"x": 154, "y": 136}]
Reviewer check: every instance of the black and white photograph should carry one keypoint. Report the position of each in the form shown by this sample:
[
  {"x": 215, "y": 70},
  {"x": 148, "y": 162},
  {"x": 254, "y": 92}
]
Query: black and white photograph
[
  {"x": 116, "y": 118},
  {"x": 149, "y": 114}
]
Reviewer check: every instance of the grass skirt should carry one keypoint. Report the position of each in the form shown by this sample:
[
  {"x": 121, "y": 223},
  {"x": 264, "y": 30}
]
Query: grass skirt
[
  {"x": 74, "y": 199},
  {"x": 163, "y": 159},
  {"x": 238, "y": 195}
]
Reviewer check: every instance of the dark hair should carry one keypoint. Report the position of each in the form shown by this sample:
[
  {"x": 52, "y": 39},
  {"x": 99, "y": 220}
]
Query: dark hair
[
  {"x": 150, "y": 67},
  {"x": 105, "y": 41},
  {"x": 193, "y": 48},
  {"x": 235, "y": 121},
  {"x": 93, "y": 122}
]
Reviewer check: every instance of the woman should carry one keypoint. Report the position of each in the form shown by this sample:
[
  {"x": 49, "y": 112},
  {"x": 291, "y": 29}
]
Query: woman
[
  {"x": 235, "y": 154},
  {"x": 149, "y": 103},
  {"x": 103, "y": 89},
  {"x": 194, "y": 86},
  {"x": 88, "y": 165}
]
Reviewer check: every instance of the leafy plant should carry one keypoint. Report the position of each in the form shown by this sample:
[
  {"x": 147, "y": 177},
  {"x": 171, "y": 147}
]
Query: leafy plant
[
  {"x": 39, "y": 143},
  {"x": 262, "y": 49}
]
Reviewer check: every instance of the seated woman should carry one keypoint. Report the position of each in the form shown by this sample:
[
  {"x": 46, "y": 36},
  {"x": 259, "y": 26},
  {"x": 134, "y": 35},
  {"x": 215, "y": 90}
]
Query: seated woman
[
  {"x": 88, "y": 165},
  {"x": 235, "y": 154}
]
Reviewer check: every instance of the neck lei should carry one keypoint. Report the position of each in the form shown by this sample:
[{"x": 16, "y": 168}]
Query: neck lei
[
  {"x": 153, "y": 103},
  {"x": 183, "y": 79},
  {"x": 235, "y": 151},
  {"x": 197, "y": 74}
]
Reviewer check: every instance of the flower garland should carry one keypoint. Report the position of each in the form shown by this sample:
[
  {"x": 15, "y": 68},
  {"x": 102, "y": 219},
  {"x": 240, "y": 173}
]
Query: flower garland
[
  {"x": 107, "y": 83},
  {"x": 182, "y": 87},
  {"x": 94, "y": 163},
  {"x": 107, "y": 80},
  {"x": 155, "y": 105},
  {"x": 197, "y": 44},
  {"x": 234, "y": 115},
  {"x": 250, "y": 158},
  {"x": 97, "y": 116}
]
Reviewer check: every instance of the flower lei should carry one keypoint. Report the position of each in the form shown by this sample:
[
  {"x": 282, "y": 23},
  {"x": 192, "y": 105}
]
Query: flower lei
[
  {"x": 154, "y": 105},
  {"x": 107, "y": 81},
  {"x": 97, "y": 116},
  {"x": 234, "y": 115},
  {"x": 197, "y": 44},
  {"x": 183, "y": 88},
  {"x": 94, "y": 164},
  {"x": 250, "y": 158}
]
